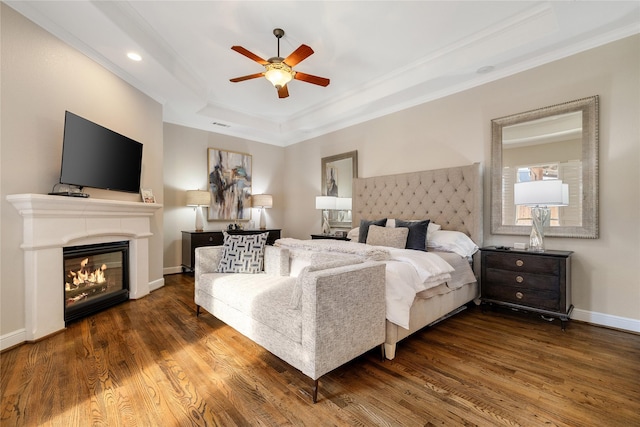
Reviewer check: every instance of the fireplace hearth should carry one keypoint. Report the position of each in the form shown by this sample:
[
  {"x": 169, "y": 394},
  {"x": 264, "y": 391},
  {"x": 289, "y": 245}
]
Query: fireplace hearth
[{"x": 96, "y": 277}]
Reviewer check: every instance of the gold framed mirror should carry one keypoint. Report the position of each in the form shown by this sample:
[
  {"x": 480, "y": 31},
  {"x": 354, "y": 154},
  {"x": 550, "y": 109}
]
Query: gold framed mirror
[
  {"x": 337, "y": 173},
  {"x": 556, "y": 142}
]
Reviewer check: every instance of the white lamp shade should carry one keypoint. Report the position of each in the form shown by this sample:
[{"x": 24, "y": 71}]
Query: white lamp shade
[
  {"x": 343, "y": 203},
  {"x": 198, "y": 198},
  {"x": 262, "y": 200},
  {"x": 541, "y": 193},
  {"x": 325, "y": 202}
]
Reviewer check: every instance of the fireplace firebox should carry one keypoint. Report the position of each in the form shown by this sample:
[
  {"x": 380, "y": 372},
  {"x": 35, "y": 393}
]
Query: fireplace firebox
[{"x": 95, "y": 277}]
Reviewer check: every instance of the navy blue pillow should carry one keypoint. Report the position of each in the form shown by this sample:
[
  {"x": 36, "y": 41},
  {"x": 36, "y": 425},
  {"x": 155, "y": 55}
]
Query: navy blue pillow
[
  {"x": 417, "y": 238},
  {"x": 364, "y": 228}
]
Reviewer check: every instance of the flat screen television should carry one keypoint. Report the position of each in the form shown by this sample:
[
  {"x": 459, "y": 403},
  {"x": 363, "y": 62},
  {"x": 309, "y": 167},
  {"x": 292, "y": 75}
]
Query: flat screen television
[{"x": 97, "y": 157}]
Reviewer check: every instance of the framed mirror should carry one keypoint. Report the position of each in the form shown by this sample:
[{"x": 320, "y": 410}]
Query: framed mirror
[
  {"x": 556, "y": 142},
  {"x": 337, "y": 173}
]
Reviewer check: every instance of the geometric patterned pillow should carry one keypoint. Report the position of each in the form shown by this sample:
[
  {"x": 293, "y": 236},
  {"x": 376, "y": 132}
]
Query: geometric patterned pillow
[{"x": 243, "y": 253}]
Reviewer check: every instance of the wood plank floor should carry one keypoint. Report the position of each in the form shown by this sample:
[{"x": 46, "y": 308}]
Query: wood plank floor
[{"x": 151, "y": 362}]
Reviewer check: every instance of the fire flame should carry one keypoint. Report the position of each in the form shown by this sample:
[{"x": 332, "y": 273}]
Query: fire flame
[{"x": 85, "y": 276}]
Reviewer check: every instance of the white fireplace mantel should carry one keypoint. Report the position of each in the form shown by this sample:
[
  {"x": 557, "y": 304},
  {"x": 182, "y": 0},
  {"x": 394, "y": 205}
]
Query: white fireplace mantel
[{"x": 53, "y": 222}]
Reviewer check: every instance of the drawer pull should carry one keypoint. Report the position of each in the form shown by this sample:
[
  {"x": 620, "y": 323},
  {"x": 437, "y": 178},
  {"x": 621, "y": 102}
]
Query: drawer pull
[
  {"x": 519, "y": 295},
  {"x": 519, "y": 279},
  {"x": 519, "y": 263}
]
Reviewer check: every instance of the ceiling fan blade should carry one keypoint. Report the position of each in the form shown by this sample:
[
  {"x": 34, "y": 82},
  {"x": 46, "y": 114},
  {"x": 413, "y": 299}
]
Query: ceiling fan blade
[
  {"x": 283, "y": 92},
  {"x": 249, "y": 77},
  {"x": 321, "y": 81},
  {"x": 298, "y": 55},
  {"x": 250, "y": 55}
]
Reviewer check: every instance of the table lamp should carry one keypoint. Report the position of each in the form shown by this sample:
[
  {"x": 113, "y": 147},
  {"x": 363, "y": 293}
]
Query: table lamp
[
  {"x": 198, "y": 199},
  {"x": 262, "y": 201},
  {"x": 540, "y": 195}
]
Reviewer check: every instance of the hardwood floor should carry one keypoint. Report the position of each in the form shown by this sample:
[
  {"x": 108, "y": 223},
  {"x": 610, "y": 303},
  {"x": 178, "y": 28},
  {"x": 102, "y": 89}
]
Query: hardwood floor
[{"x": 151, "y": 362}]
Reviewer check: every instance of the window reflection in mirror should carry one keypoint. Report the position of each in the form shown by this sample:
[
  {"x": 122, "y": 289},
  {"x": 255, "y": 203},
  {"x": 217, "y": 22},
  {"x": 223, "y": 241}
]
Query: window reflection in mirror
[{"x": 548, "y": 148}]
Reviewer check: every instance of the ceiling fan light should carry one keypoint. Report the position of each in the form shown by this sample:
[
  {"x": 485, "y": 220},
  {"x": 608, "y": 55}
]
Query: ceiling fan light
[{"x": 279, "y": 74}]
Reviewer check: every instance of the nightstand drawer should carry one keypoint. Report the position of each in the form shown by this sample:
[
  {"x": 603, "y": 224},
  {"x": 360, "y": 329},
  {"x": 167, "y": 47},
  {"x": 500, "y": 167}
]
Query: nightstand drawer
[
  {"x": 548, "y": 300},
  {"x": 206, "y": 239},
  {"x": 522, "y": 262},
  {"x": 521, "y": 279}
]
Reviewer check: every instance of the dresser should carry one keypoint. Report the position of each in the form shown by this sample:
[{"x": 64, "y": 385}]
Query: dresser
[
  {"x": 538, "y": 282},
  {"x": 194, "y": 239}
]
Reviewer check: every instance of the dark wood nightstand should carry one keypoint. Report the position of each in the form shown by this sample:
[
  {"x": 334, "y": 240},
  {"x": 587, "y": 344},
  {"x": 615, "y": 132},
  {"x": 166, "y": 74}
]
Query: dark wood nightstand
[
  {"x": 328, "y": 236},
  {"x": 539, "y": 282},
  {"x": 194, "y": 239}
]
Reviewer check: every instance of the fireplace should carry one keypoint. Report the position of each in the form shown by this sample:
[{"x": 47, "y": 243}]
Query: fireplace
[
  {"x": 95, "y": 277},
  {"x": 52, "y": 223}
]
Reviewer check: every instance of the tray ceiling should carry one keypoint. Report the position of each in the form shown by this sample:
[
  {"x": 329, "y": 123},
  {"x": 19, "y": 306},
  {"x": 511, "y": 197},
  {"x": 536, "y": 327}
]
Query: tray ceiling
[{"x": 381, "y": 56}]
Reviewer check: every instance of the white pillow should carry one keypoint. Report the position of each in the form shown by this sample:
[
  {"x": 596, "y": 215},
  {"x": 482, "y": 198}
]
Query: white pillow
[
  {"x": 431, "y": 228},
  {"x": 451, "y": 241},
  {"x": 354, "y": 234}
]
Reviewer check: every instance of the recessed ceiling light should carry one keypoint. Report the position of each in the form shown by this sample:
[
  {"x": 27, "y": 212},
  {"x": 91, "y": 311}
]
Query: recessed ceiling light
[
  {"x": 134, "y": 56},
  {"x": 485, "y": 69}
]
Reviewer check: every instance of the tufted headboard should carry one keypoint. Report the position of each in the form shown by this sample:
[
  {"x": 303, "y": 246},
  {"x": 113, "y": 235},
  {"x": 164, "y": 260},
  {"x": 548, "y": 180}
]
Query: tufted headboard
[{"x": 450, "y": 197}]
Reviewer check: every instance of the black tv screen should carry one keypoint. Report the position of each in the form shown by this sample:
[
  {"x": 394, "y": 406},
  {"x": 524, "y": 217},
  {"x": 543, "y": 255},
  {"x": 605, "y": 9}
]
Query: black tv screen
[{"x": 94, "y": 156}]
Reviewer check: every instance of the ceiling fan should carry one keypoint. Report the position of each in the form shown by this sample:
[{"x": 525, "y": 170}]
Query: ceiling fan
[{"x": 280, "y": 71}]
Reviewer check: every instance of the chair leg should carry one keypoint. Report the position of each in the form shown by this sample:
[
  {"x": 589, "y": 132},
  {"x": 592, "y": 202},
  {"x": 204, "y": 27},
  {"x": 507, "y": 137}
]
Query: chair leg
[
  {"x": 197, "y": 310},
  {"x": 315, "y": 391},
  {"x": 382, "y": 352}
]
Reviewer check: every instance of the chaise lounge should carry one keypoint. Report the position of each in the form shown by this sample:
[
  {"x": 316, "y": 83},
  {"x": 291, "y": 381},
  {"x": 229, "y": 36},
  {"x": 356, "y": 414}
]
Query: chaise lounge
[{"x": 329, "y": 314}]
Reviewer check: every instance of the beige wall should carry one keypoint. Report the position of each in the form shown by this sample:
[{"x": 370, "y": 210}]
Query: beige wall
[
  {"x": 41, "y": 78},
  {"x": 185, "y": 168},
  {"x": 456, "y": 130}
]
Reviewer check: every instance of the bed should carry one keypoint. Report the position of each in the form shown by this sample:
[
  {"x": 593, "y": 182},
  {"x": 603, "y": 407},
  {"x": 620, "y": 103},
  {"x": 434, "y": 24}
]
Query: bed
[{"x": 451, "y": 198}]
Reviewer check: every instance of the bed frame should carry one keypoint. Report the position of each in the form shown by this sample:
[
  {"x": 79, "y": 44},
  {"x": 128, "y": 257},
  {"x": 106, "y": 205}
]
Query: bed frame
[{"x": 450, "y": 197}]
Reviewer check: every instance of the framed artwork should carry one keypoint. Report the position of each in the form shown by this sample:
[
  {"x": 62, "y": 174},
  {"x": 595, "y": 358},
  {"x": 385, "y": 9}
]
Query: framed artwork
[
  {"x": 147, "y": 195},
  {"x": 331, "y": 180},
  {"x": 229, "y": 177}
]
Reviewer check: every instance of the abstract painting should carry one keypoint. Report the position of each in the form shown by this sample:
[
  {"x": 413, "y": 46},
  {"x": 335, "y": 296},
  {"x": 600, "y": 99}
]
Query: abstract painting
[{"x": 230, "y": 185}]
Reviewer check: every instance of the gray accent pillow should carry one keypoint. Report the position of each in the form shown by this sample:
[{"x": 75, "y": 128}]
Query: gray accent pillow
[
  {"x": 243, "y": 253},
  {"x": 417, "y": 238},
  {"x": 387, "y": 236}
]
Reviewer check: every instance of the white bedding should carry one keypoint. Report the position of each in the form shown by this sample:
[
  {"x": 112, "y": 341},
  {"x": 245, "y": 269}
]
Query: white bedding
[{"x": 408, "y": 272}]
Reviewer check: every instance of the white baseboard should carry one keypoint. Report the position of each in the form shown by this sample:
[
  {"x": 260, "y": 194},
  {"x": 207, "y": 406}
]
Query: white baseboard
[
  {"x": 608, "y": 320},
  {"x": 156, "y": 284},
  {"x": 172, "y": 270},
  {"x": 12, "y": 338}
]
